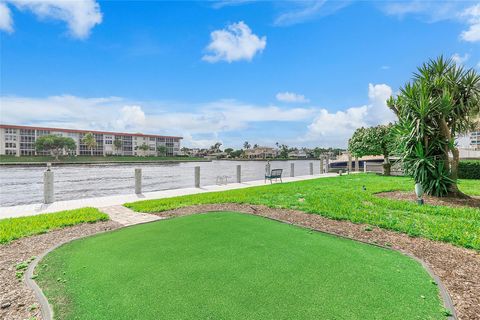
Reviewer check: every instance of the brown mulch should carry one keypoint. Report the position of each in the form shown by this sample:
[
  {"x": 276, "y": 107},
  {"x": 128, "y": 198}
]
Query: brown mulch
[
  {"x": 473, "y": 202},
  {"x": 16, "y": 300},
  {"x": 458, "y": 268}
]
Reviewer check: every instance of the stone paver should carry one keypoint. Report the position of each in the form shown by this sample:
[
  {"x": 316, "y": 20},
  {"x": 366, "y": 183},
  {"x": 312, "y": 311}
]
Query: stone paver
[
  {"x": 115, "y": 200},
  {"x": 128, "y": 217}
]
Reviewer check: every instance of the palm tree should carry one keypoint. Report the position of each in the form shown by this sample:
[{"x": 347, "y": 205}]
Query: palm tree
[
  {"x": 216, "y": 147},
  {"x": 162, "y": 150},
  {"x": 246, "y": 145},
  {"x": 440, "y": 104},
  {"x": 90, "y": 141},
  {"x": 117, "y": 145},
  {"x": 255, "y": 146}
]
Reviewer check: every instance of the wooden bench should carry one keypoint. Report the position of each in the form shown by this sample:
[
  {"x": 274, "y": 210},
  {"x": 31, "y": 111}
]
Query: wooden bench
[{"x": 274, "y": 174}]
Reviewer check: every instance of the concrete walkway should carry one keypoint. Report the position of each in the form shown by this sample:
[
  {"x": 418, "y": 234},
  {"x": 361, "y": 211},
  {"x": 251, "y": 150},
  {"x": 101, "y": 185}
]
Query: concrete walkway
[
  {"x": 128, "y": 217},
  {"x": 116, "y": 200}
]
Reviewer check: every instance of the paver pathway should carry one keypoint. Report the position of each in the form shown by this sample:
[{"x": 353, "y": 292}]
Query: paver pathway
[{"x": 128, "y": 217}]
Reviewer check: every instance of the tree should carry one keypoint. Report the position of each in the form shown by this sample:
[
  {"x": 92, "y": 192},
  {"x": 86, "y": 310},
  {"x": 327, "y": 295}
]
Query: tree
[
  {"x": 90, "y": 141},
  {"x": 255, "y": 146},
  {"x": 373, "y": 141},
  {"x": 117, "y": 145},
  {"x": 284, "y": 151},
  {"x": 143, "y": 147},
  {"x": 228, "y": 151},
  {"x": 246, "y": 145},
  {"x": 56, "y": 145},
  {"x": 216, "y": 147},
  {"x": 438, "y": 105},
  {"x": 236, "y": 153},
  {"x": 161, "y": 151}
]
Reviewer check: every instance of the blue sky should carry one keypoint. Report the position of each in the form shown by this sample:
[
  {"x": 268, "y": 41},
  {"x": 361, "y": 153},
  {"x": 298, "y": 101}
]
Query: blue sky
[{"x": 304, "y": 73}]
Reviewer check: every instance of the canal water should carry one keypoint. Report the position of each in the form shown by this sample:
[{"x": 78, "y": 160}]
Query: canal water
[{"x": 24, "y": 184}]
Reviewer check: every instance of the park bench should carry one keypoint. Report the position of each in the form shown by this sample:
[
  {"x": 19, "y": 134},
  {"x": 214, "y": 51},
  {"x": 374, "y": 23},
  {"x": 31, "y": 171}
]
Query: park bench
[{"x": 274, "y": 174}]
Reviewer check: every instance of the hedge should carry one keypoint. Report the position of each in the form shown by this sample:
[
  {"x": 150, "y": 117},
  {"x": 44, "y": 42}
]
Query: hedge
[{"x": 469, "y": 169}]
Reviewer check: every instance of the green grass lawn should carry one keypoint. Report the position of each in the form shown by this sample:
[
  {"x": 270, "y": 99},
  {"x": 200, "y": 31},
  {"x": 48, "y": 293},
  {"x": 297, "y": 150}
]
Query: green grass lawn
[
  {"x": 342, "y": 198},
  {"x": 232, "y": 266},
  {"x": 34, "y": 159},
  {"x": 15, "y": 228}
]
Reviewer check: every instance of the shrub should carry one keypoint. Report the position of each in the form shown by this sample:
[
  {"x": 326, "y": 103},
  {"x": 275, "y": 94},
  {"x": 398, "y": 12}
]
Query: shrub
[{"x": 469, "y": 169}]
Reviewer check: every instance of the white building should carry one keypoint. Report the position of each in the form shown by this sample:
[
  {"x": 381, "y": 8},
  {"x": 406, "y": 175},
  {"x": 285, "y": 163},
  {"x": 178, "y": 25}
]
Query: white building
[{"x": 20, "y": 141}]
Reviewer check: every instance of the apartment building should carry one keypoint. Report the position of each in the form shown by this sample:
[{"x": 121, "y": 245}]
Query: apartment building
[
  {"x": 475, "y": 137},
  {"x": 20, "y": 141}
]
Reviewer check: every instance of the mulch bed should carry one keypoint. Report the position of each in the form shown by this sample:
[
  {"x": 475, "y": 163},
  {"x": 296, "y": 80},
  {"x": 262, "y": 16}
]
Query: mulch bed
[
  {"x": 473, "y": 202},
  {"x": 458, "y": 268},
  {"x": 16, "y": 300}
]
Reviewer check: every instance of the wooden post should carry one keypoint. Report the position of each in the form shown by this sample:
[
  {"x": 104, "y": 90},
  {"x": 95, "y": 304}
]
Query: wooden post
[
  {"x": 311, "y": 168},
  {"x": 292, "y": 169},
  {"x": 321, "y": 165}
]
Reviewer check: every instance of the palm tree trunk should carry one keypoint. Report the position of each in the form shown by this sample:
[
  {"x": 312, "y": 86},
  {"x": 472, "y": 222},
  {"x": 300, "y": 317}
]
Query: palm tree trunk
[
  {"x": 453, "y": 189},
  {"x": 452, "y": 167}
]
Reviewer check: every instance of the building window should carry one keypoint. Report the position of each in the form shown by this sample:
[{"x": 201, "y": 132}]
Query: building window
[{"x": 9, "y": 137}]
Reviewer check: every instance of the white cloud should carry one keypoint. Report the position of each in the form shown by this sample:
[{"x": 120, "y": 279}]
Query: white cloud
[
  {"x": 118, "y": 114},
  {"x": 236, "y": 42},
  {"x": 131, "y": 117},
  {"x": 429, "y": 11},
  {"x": 334, "y": 129},
  {"x": 432, "y": 11},
  {"x": 302, "y": 11},
  {"x": 458, "y": 59},
  {"x": 291, "y": 97},
  {"x": 227, "y": 3},
  {"x": 472, "y": 16},
  {"x": 307, "y": 11},
  {"x": 6, "y": 22},
  {"x": 204, "y": 123},
  {"x": 80, "y": 16}
]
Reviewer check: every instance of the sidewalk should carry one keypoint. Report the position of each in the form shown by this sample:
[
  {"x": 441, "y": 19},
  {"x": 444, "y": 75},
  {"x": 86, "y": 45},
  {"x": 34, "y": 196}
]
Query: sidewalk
[{"x": 33, "y": 209}]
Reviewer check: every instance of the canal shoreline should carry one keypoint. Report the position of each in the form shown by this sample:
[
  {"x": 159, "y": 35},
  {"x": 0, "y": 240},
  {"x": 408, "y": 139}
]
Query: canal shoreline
[
  {"x": 54, "y": 163},
  {"x": 42, "y": 164}
]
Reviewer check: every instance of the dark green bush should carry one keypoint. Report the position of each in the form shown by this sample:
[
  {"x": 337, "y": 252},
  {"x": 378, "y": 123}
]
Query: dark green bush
[{"x": 469, "y": 169}]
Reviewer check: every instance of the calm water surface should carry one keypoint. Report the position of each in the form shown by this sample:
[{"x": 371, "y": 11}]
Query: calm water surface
[{"x": 24, "y": 184}]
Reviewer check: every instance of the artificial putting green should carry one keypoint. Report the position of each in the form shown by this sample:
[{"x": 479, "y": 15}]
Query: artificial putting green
[{"x": 226, "y": 265}]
